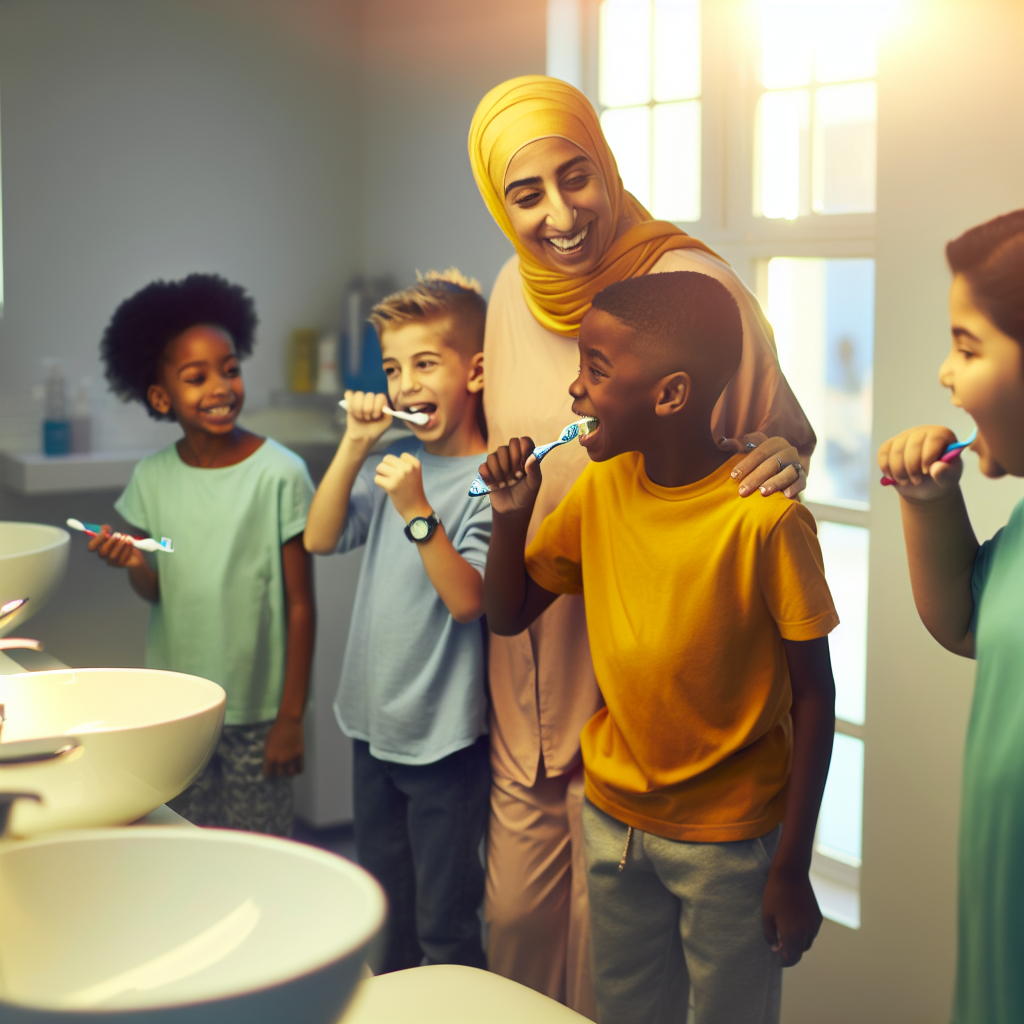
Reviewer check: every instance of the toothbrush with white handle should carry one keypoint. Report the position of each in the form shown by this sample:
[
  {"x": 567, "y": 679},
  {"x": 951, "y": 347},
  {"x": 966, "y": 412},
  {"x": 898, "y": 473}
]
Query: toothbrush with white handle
[
  {"x": 581, "y": 427},
  {"x": 142, "y": 543},
  {"x": 419, "y": 418}
]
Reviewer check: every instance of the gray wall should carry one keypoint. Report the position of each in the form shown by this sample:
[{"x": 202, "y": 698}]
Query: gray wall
[{"x": 150, "y": 138}]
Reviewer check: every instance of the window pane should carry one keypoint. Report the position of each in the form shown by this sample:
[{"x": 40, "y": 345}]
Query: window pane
[
  {"x": 782, "y": 148},
  {"x": 846, "y": 41},
  {"x": 677, "y": 161},
  {"x": 625, "y": 52},
  {"x": 787, "y": 43},
  {"x": 839, "y": 823},
  {"x": 844, "y": 148},
  {"x": 845, "y": 550},
  {"x": 628, "y": 131},
  {"x": 676, "y": 49},
  {"x": 823, "y": 315}
]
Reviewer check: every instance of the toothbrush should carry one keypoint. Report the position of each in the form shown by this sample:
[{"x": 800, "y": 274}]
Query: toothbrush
[
  {"x": 142, "y": 543},
  {"x": 419, "y": 418},
  {"x": 581, "y": 427},
  {"x": 953, "y": 451}
]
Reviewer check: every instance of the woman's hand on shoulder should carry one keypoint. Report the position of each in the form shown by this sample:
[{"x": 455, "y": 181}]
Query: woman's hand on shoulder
[
  {"x": 772, "y": 464},
  {"x": 913, "y": 460},
  {"x": 513, "y": 476}
]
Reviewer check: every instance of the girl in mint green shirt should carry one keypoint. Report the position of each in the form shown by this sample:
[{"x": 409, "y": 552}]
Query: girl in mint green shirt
[
  {"x": 234, "y": 602},
  {"x": 971, "y": 599}
]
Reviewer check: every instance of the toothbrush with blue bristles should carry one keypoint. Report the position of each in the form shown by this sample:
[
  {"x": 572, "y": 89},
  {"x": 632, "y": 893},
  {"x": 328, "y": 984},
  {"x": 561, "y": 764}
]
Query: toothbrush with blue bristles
[{"x": 142, "y": 543}]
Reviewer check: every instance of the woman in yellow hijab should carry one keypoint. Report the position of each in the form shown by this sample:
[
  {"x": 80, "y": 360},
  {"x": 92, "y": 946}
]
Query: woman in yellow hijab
[{"x": 551, "y": 182}]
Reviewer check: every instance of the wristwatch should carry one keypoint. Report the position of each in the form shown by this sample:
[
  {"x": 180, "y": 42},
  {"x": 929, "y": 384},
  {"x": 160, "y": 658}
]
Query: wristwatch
[{"x": 422, "y": 528}]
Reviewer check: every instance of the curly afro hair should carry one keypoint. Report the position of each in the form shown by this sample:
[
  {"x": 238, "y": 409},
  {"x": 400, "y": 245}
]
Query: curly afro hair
[{"x": 143, "y": 325}]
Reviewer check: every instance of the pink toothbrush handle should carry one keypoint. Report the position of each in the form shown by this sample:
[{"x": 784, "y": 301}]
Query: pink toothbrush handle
[{"x": 888, "y": 481}]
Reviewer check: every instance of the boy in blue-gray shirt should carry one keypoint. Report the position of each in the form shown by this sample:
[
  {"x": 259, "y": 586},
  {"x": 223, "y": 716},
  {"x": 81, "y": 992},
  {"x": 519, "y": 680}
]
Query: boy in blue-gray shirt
[{"x": 412, "y": 693}]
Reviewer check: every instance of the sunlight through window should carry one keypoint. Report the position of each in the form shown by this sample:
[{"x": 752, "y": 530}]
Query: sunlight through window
[
  {"x": 649, "y": 90},
  {"x": 815, "y": 147}
]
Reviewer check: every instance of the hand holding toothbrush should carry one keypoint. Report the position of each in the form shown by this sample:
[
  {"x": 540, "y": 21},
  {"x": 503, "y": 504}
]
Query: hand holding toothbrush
[
  {"x": 513, "y": 477},
  {"x": 368, "y": 417},
  {"x": 116, "y": 549},
  {"x": 923, "y": 463}
]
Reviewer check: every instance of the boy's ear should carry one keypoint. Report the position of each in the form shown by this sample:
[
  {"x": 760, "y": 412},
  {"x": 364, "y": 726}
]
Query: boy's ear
[
  {"x": 475, "y": 381},
  {"x": 158, "y": 399},
  {"x": 672, "y": 393}
]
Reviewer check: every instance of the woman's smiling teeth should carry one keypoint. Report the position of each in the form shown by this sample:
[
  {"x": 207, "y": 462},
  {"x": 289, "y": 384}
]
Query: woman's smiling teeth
[
  {"x": 568, "y": 245},
  {"x": 219, "y": 410}
]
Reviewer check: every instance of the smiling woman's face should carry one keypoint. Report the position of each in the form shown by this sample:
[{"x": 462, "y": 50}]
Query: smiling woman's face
[{"x": 559, "y": 206}]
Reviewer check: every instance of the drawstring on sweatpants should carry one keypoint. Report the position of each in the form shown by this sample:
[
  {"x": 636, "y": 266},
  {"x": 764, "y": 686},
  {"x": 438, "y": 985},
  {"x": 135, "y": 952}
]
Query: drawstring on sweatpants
[{"x": 625, "y": 852}]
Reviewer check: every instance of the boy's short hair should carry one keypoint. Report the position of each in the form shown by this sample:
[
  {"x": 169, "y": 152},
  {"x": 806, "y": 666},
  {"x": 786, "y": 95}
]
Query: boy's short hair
[
  {"x": 143, "y": 325},
  {"x": 991, "y": 258},
  {"x": 438, "y": 295},
  {"x": 684, "y": 321}
]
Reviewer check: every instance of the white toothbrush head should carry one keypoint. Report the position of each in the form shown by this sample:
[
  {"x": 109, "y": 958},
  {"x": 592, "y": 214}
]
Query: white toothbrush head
[{"x": 77, "y": 524}]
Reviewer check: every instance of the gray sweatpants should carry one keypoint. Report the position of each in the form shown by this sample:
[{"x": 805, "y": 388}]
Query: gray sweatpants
[{"x": 679, "y": 915}]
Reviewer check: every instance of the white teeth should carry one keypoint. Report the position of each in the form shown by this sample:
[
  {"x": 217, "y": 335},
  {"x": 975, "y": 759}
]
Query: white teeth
[
  {"x": 565, "y": 244},
  {"x": 220, "y": 410}
]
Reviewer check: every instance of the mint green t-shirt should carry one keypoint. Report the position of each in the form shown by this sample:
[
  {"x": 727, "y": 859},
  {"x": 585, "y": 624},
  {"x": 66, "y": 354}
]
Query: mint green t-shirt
[
  {"x": 222, "y": 610},
  {"x": 990, "y": 959}
]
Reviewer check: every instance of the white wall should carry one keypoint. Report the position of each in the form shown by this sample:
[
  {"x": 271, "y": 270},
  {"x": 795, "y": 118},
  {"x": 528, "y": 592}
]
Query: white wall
[
  {"x": 951, "y": 154},
  {"x": 151, "y": 138},
  {"x": 425, "y": 67}
]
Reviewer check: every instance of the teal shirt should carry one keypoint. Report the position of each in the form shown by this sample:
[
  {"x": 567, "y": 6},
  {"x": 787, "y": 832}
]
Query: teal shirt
[
  {"x": 222, "y": 611},
  {"x": 990, "y": 966}
]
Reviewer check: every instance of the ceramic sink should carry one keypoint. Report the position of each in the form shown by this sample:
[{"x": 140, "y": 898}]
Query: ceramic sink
[
  {"x": 143, "y": 736},
  {"x": 190, "y": 926},
  {"x": 33, "y": 559}
]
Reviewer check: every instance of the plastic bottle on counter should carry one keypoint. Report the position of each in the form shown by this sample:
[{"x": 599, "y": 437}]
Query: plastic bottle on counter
[
  {"x": 81, "y": 417},
  {"x": 56, "y": 425},
  {"x": 327, "y": 382}
]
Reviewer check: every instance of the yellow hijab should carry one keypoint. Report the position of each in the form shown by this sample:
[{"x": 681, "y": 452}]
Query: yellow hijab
[{"x": 533, "y": 107}]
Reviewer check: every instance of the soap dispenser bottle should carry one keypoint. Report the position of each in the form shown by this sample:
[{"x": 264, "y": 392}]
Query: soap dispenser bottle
[{"x": 56, "y": 425}]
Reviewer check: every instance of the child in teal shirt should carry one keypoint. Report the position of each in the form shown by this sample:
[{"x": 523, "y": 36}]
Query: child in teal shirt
[
  {"x": 234, "y": 602},
  {"x": 971, "y": 599}
]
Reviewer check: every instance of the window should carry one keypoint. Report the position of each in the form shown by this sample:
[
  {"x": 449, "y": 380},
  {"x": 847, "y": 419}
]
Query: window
[
  {"x": 649, "y": 91},
  {"x": 815, "y": 135},
  {"x": 753, "y": 125}
]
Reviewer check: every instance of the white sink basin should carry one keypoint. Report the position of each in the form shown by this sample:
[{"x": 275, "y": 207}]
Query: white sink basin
[
  {"x": 33, "y": 559},
  {"x": 144, "y": 736},
  {"x": 450, "y": 994},
  {"x": 194, "y": 926}
]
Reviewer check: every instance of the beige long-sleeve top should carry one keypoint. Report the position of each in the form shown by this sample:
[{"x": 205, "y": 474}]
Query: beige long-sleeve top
[{"x": 542, "y": 682}]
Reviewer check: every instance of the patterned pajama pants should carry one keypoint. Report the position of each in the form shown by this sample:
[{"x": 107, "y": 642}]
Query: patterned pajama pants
[{"x": 232, "y": 792}]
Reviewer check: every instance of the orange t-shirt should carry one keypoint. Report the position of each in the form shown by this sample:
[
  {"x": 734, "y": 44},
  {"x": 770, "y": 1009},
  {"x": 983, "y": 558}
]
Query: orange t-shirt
[{"x": 689, "y": 592}]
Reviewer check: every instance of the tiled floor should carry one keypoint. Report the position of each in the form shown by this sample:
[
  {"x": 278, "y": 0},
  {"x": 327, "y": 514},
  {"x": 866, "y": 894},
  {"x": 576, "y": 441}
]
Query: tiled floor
[{"x": 339, "y": 839}]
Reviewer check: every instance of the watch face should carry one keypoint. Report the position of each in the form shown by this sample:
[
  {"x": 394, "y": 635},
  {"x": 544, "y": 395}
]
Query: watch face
[{"x": 419, "y": 528}]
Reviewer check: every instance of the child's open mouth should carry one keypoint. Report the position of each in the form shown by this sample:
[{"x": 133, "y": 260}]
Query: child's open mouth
[
  {"x": 428, "y": 409},
  {"x": 590, "y": 427},
  {"x": 219, "y": 412},
  {"x": 569, "y": 246}
]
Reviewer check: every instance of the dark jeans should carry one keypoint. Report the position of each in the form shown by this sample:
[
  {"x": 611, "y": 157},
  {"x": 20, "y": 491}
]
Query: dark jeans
[{"x": 418, "y": 830}]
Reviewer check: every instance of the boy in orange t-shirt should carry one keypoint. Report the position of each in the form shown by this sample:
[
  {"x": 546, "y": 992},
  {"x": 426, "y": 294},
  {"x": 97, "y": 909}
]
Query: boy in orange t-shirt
[{"x": 708, "y": 619}]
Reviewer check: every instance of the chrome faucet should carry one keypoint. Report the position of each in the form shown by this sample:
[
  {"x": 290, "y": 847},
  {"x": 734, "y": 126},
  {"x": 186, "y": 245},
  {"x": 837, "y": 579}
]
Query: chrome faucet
[
  {"x": 7, "y": 805},
  {"x": 28, "y": 752}
]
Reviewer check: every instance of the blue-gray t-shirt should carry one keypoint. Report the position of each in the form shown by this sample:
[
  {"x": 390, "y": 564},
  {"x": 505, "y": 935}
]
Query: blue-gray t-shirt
[{"x": 412, "y": 683}]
